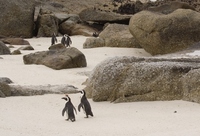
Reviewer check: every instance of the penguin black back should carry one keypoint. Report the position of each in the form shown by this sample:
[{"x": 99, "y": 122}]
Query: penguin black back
[
  {"x": 85, "y": 105},
  {"x": 53, "y": 39},
  {"x": 66, "y": 40},
  {"x": 69, "y": 109}
]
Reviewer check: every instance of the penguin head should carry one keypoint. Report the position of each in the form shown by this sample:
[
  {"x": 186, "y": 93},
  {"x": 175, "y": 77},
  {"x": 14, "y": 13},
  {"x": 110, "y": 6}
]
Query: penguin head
[
  {"x": 82, "y": 93},
  {"x": 66, "y": 98}
]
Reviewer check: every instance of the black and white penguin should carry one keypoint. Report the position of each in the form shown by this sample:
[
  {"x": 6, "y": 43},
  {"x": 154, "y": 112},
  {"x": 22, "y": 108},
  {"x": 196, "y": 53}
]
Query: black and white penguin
[
  {"x": 85, "y": 105},
  {"x": 53, "y": 39},
  {"x": 66, "y": 40},
  {"x": 69, "y": 109}
]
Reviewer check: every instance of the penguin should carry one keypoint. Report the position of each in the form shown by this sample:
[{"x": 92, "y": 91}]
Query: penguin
[
  {"x": 53, "y": 39},
  {"x": 95, "y": 34},
  {"x": 66, "y": 40},
  {"x": 69, "y": 109},
  {"x": 85, "y": 105}
]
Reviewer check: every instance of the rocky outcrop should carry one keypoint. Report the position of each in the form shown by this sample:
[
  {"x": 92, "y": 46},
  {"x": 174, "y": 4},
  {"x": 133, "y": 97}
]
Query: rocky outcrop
[
  {"x": 57, "y": 59},
  {"x": 162, "y": 34},
  {"x": 124, "y": 79},
  {"x": 26, "y": 47},
  {"x": 114, "y": 35},
  {"x": 4, "y": 49},
  {"x": 16, "y": 18},
  {"x": 94, "y": 15}
]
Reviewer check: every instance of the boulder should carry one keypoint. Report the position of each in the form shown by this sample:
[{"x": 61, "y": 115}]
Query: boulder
[
  {"x": 170, "y": 7},
  {"x": 118, "y": 35},
  {"x": 113, "y": 35},
  {"x": 161, "y": 34},
  {"x": 17, "y": 18},
  {"x": 5, "y": 90},
  {"x": 15, "y": 41},
  {"x": 16, "y": 52},
  {"x": 57, "y": 46},
  {"x": 4, "y": 49},
  {"x": 47, "y": 23},
  {"x": 57, "y": 59},
  {"x": 124, "y": 79},
  {"x": 73, "y": 25},
  {"x": 5, "y": 80},
  {"x": 26, "y": 47},
  {"x": 91, "y": 14},
  {"x": 93, "y": 42}
]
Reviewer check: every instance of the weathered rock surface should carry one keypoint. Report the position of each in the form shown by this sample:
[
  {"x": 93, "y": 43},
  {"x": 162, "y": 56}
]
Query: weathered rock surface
[
  {"x": 124, "y": 79},
  {"x": 4, "y": 49},
  {"x": 5, "y": 80},
  {"x": 73, "y": 25},
  {"x": 16, "y": 18},
  {"x": 16, "y": 52},
  {"x": 118, "y": 35},
  {"x": 93, "y": 42},
  {"x": 26, "y": 47},
  {"x": 191, "y": 86},
  {"x": 15, "y": 41},
  {"x": 17, "y": 90},
  {"x": 57, "y": 59},
  {"x": 114, "y": 35},
  {"x": 161, "y": 34},
  {"x": 5, "y": 90},
  {"x": 91, "y": 14},
  {"x": 171, "y": 7},
  {"x": 47, "y": 24},
  {"x": 57, "y": 46}
]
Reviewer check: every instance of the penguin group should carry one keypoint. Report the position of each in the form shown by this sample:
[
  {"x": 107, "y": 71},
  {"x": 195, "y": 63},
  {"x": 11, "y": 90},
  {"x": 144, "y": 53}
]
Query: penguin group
[
  {"x": 66, "y": 40},
  {"x": 70, "y": 110}
]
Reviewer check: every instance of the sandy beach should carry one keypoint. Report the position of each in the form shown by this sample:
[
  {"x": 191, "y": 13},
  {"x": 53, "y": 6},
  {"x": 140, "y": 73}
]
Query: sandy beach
[{"x": 41, "y": 115}]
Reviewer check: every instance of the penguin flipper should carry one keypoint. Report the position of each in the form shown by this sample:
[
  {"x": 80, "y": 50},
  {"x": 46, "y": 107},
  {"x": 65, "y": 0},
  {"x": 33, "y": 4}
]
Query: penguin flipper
[
  {"x": 63, "y": 111},
  {"x": 80, "y": 106}
]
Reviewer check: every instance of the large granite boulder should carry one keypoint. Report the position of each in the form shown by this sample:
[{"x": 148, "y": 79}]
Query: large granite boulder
[
  {"x": 47, "y": 23},
  {"x": 57, "y": 59},
  {"x": 94, "y": 15},
  {"x": 161, "y": 34},
  {"x": 124, "y": 79},
  {"x": 114, "y": 35},
  {"x": 4, "y": 49},
  {"x": 73, "y": 25},
  {"x": 17, "y": 18}
]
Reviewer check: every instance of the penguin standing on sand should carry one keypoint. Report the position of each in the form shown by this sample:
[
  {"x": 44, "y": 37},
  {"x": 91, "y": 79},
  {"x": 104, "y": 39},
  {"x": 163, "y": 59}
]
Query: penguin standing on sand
[
  {"x": 69, "y": 109},
  {"x": 53, "y": 39},
  {"x": 85, "y": 105},
  {"x": 66, "y": 40}
]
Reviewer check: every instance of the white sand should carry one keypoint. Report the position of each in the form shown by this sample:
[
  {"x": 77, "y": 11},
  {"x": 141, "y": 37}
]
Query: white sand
[{"x": 41, "y": 115}]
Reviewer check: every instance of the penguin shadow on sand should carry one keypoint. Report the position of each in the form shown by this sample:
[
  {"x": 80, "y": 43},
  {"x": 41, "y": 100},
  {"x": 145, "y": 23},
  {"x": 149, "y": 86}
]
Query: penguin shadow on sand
[{"x": 71, "y": 110}]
